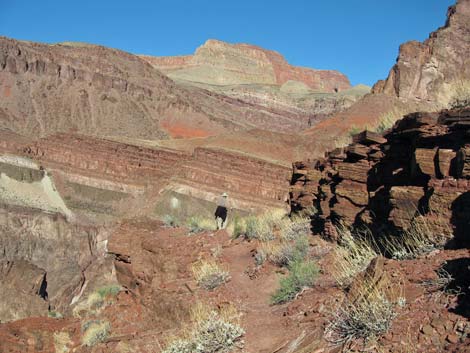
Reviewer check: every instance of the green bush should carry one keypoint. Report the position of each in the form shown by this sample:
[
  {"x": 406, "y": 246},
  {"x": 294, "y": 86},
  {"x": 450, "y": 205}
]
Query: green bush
[
  {"x": 111, "y": 290},
  {"x": 302, "y": 274}
]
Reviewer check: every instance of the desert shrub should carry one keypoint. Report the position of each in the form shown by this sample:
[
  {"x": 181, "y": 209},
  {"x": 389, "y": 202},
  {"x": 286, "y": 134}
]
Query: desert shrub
[
  {"x": 239, "y": 227},
  {"x": 295, "y": 228},
  {"x": 368, "y": 316},
  {"x": 419, "y": 239},
  {"x": 54, "y": 314},
  {"x": 170, "y": 220},
  {"x": 282, "y": 254},
  {"x": 94, "y": 332},
  {"x": 197, "y": 224},
  {"x": 61, "y": 342},
  {"x": 211, "y": 332},
  {"x": 96, "y": 300},
  {"x": 209, "y": 275},
  {"x": 263, "y": 226},
  {"x": 302, "y": 274},
  {"x": 111, "y": 290},
  {"x": 352, "y": 255}
]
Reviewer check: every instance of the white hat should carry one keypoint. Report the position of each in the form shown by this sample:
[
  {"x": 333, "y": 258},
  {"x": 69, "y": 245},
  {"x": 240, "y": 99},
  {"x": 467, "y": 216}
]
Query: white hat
[{"x": 224, "y": 194}]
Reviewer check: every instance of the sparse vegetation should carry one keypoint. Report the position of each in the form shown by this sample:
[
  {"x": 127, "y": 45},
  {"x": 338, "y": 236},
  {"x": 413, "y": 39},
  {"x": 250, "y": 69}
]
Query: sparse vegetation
[
  {"x": 419, "y": 239},
  {"x": 239, "y": 227},
  {"x": 283, "y": 253},
  {"x": 96, "y": 300},
  {"x": 295, "y": 228},
  {"x": 61, "y": 342},
  {"x": 354, "y": 130},
  {"x": 211, "y": 332},
  {"x": 302, "y": 274},
  {"x": 262, "y": 227},
  {"x": 368, "y": 315},
  {"x": 54, "y": 314},
  {"x": 209, "y": 275},
  {"x": 169, "y": 220},
  {"x": 388, "y": 119},
  {"x": 197, "y": 224},
  {"x": 351, "y": 256},
  {"x": 94, "y": 332}
]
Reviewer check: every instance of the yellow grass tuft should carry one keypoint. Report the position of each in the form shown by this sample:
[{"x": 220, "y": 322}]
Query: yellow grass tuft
[{"x": 209, "y": 275}]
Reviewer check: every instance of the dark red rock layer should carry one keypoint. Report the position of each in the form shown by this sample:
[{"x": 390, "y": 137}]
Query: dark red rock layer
[{"x": 421, "y": 168}]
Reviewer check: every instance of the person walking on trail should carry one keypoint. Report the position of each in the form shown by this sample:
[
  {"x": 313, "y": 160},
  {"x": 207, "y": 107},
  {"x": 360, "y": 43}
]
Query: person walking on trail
[{"x": 221, "y": 211}]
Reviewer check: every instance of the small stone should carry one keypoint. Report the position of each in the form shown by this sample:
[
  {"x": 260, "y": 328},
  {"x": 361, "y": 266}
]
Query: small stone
[
  {"x": 452, "y": 338},
  {"x": 427, "y": 330}
]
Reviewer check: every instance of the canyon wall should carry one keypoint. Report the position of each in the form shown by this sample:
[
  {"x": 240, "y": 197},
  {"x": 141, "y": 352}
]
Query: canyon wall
[
  {"x": 99, "y": 91},
  {"x": 433, "y": 70}
]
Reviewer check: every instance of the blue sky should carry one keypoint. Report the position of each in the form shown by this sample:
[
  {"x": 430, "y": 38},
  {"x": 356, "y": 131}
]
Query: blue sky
[{"x": 357, "y": 37}]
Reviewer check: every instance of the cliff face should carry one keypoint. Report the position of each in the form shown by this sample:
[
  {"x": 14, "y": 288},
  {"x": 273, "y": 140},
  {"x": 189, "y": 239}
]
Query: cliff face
[
  {"x": 426, "y": 77},
  {"x": 431, "y": 70},
  {"x": 220, "y": 63}
]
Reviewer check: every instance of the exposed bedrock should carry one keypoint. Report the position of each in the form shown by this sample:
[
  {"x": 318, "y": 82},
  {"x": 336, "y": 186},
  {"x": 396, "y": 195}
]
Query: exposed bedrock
[
  {"x": 430, "y": 71},
  {"x": 421, "y": 167}
]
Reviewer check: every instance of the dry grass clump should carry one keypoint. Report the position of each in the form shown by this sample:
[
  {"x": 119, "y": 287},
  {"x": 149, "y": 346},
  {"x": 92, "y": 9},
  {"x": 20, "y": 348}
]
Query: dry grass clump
[
  {"x": 210, "y": 332},
  {"x": 284, "y": 252},
  {"x": 388, "y": 119},
  {"x": 368, "y": 316},
  {"x": 61, "y": 342},
  {"x": 419, "y": 239},
  {"x": 197, "y": 224},
  {"x": 460, "y": 97},
  {"x": 209, "y": 275},
  {"x": 96, "y": 300},
  {"x": 351, "y": 256},
  {"x": 263, "y": 227},
  {"x": 295, "y": 228},
  {"x": 94, "y": 332}
]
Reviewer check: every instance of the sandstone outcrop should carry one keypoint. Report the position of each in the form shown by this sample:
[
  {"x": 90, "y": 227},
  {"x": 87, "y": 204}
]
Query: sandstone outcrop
[
  {"x": 421, "y": 169},
  {"x": 432, "y": 70}
]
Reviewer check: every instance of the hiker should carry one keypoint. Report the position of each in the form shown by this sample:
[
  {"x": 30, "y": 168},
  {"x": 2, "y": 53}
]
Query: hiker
[{"x": 221, "y": 212}]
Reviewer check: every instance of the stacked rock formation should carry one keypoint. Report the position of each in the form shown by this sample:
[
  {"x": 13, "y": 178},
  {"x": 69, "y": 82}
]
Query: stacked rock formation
[{"x": 421, "y": 167}]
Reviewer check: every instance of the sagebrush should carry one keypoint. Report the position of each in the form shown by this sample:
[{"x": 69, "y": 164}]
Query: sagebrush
[
  {"x": 211, "y": 332},
  {"x": 209, "y": 275}
]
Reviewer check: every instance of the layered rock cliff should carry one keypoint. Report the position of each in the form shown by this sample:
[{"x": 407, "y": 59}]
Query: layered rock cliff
[{"x": 417, "y": 173}]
